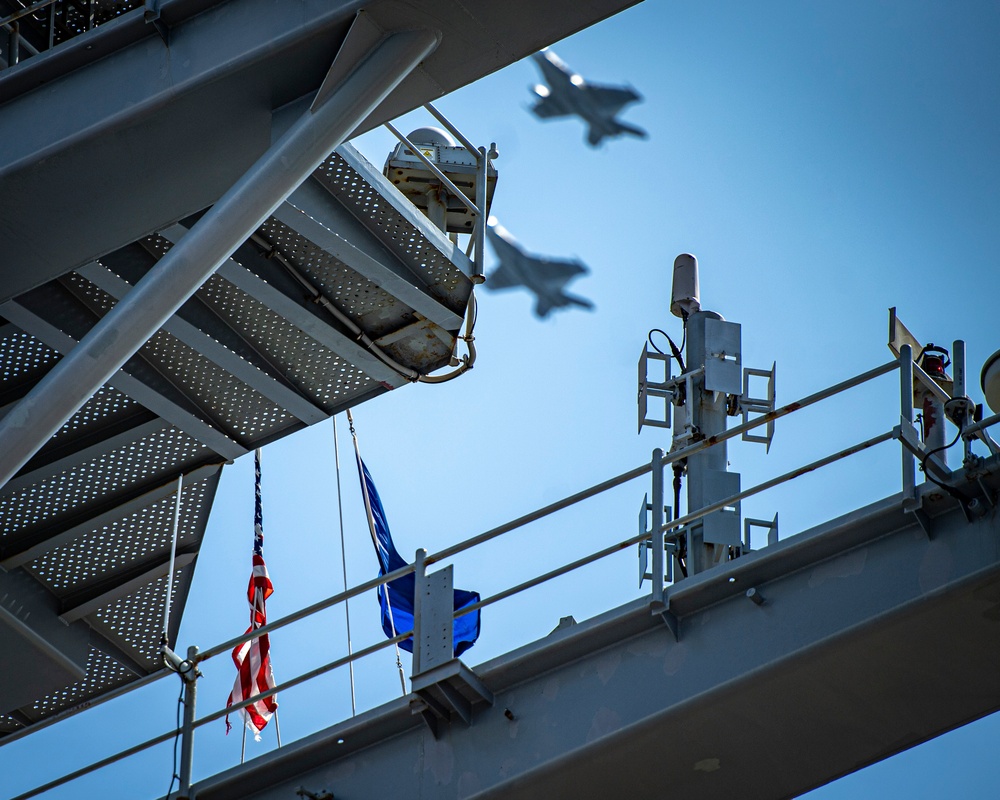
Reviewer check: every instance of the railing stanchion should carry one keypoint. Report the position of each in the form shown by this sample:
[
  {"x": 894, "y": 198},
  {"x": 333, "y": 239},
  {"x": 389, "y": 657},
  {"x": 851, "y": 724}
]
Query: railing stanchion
[
  {"x": 190, "y": 678},
  {"x": 906, "y": 418}
]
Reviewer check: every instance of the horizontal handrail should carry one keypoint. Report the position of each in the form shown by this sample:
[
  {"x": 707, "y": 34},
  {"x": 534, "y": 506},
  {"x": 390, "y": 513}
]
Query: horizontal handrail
[
  {"x": 669, "y": 458},
  {"x": 28, "y": 11},
  {"x": 493, "y": 533},
  {"x": 163, "y": 737},
  {"x": 453, "y": 130},
  {"x": 680, "y": 521},
  {"x": 435, "y": 171},
  {"x": 295, "y": 616}
]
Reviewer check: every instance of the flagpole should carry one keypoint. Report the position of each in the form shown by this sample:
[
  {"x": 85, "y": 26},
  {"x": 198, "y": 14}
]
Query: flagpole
[
  {"x": 343, "y": 562},
  {"x": 252, "y": 658},
  {"x": 277, "y": 728},
  {"x": 371, "y": 530},
  {"x": 243, "y": 749}
]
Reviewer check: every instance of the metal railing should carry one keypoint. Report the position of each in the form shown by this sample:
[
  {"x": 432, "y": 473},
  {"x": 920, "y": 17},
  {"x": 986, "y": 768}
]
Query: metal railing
[
  {"x": 57, "y": 21},
  {"x": 478, "y": 205},
  {"x": 910, "y": 450}
]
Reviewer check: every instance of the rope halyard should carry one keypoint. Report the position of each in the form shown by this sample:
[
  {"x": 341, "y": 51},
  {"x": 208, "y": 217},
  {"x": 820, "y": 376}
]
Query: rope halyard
[
  {"x": 384, "y": 588},
  {"x": 343, "y": 558}
]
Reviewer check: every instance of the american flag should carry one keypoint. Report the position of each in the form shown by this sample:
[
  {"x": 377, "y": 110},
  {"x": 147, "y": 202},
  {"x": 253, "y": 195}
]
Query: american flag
[{"x": 252, "y": 659}]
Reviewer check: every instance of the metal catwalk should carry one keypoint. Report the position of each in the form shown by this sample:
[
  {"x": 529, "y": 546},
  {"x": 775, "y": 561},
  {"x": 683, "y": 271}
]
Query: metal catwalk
[{"x": 189, "y": 272}]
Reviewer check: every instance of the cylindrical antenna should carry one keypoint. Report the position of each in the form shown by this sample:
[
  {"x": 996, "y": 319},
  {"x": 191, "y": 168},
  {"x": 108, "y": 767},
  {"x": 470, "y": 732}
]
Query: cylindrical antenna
[{"x": 684, "y": 300}]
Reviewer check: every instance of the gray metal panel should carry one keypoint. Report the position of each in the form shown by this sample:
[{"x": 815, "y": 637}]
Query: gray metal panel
[
  {"x": 137, "y": 389},
  {"x": 434, "y": 606},
  {"x": 39, "y": 654},
  {"x": 307, "y": 322},
  {"x": 723, "y": 357},
  {"x": 849, "y": 659},
  {"x": 722, "y": 526},
  {"x": 262, "y": 382}
]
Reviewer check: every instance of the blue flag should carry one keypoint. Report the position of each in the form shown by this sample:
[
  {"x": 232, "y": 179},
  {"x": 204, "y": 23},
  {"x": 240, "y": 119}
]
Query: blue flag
[{"x": 396, "y": 597}]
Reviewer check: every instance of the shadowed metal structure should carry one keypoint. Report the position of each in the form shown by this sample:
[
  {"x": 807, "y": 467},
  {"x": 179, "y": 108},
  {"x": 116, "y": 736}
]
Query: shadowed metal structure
[
  {"x": 852, "y": 645},
  {"x": 159, "y": 135}
]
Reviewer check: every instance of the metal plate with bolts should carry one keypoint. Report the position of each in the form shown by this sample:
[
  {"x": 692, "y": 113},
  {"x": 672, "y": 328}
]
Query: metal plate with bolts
[{"x": 723, "y": 357}]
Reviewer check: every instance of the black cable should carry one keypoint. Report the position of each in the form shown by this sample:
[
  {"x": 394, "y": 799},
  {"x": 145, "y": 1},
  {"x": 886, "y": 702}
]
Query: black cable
[
  {"x": 177, "y": 736},
  {"x": 681, "y": 549},
  {"x": 923, "y": 466},
  {"x": 675, "y": 350}
]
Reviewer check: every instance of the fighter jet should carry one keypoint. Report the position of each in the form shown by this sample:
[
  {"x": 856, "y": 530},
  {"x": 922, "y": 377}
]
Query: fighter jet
[
  {"x": 568, "y": 93},
  {"x": 544, "y": 276}
]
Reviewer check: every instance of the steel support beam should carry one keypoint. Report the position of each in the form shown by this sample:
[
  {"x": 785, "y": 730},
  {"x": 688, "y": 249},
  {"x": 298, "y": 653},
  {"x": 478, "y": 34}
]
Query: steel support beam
[
  {"x": 870, "y": 639},
  {"x": 87, "y": 602},
  {"x": 306, "y": 214},
  {"x": 102, "y": 447},
  {"x": 180, "y": 273},
  {"x": 258, "y": 380},
  {"x": 21, "y": 552},
  {"x": 298, "y": 314},
  {"x": 174, "y": 413}
]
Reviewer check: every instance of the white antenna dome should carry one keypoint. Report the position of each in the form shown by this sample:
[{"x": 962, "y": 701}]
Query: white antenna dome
[{"x": 685, "y": 299}]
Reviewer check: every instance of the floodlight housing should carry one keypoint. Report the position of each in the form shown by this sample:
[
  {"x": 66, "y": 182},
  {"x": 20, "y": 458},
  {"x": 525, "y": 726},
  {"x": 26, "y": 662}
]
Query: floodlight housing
[
  {"x": 685, "y": 299},
  {"x": 422, "y": 188},
  {"x": 989, "y": 379}
]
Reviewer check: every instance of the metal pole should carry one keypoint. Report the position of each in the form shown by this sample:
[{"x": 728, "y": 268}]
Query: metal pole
[
  {"x": 657, "y": 517},
  {"x": 482, "y": 175},
  {"x": 173, "y": 557},
  {"x": 190, "y": 678},
  {"x": 906, "y": 417},
  {"x": 959, "y": 390},
  {"x": 187, "y": 265},
  {"x": 708, "y": 413}
]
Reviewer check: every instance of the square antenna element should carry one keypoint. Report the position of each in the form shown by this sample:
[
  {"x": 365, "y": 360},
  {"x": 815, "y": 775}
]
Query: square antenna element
[{"x": 648, "y": 388}]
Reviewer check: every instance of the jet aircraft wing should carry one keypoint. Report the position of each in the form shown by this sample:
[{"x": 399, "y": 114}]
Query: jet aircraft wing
[
  {"x": 610, "y": 99},
  {"x": 548, "y": 108}
]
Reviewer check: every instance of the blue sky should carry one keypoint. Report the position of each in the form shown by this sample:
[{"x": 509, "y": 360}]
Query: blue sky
[{"x": 824, "y": 161}]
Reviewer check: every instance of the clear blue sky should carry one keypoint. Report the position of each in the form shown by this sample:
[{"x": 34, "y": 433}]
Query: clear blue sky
[{"x": 824, "y": 161}]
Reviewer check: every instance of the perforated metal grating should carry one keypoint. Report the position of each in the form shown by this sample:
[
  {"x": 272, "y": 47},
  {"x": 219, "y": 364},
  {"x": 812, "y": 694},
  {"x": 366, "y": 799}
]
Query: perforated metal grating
[
  {"x": 80, "y": 524},
  {"x": 322, "y": 375},
  {"x": 225, "y": 397},
  {"x": 98, "y": 553},
  {"x": 103, "y": 673},
  {"x": 136, "y": 620},
  {"x": 367, "y": 204},
  {"x": 243, "y": 410},
  {"x": 370, "y": 306},
  {"x": 105, "y": 406},
  {"x": 22, "y": 356},
  {"x": 156, "y": 455},
  {"x": 8, "y": 724}
]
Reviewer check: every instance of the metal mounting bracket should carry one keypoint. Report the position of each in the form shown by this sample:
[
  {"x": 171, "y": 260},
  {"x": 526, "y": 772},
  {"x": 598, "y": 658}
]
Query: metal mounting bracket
[
  {"x": 447, "y": 692},
  {"x": 659, "y": 389},
  {"x": 758, "y": 405},
  {"x": 669, "y": 618},
  {"x": 645, "y": 546},
  {"x": 771, "y": 526}
]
